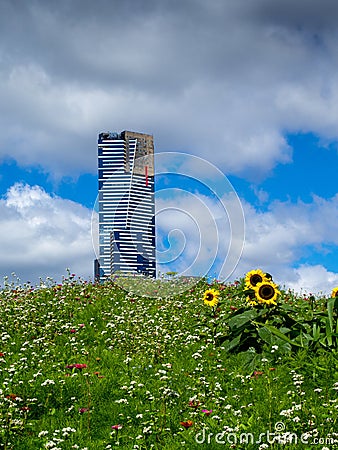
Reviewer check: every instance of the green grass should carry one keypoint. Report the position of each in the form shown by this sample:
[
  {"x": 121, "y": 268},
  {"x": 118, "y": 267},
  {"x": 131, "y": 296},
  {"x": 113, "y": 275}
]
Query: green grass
[{"x": 150, "y": 363}]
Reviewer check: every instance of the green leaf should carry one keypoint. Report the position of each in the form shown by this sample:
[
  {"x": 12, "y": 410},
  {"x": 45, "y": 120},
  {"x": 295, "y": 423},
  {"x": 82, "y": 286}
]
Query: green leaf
[
  {"x": 251, "y": 360},
  {"x": 272, "y": 339},
  {"x": 316, "y": 332},
  {"x": 265, "y": 334},
  {"x": 329, "y": 330},
  {"x": 282, "y": 336},
  {"x": 232, "y": 344},
  {"x": 241, "y": 320},
  {"x": 335, "y": 304},
  {"x": 330, "y": 306}
]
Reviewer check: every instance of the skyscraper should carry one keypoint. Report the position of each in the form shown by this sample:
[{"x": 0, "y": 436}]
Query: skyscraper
[{"x": 126, "y": 204}]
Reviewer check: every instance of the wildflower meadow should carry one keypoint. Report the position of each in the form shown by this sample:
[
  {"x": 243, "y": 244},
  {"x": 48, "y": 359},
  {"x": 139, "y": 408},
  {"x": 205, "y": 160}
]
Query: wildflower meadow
[{"x": 243, "y": 365}]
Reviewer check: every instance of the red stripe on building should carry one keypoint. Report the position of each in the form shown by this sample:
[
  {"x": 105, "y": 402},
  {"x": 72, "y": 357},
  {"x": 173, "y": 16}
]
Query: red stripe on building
[{"x": 146, "y": 174}]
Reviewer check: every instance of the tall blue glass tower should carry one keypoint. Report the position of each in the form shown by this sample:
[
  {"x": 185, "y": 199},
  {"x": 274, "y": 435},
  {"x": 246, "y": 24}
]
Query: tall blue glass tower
[{"x": 126, "y": 204}]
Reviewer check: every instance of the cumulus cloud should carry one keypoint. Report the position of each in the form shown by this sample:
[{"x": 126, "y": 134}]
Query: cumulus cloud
[
  {"x": 199, "y": 217},
  {"x": 277, "y": 239},
  {"x": 313, "y": 279},
  {"x": 43, "y": 236},
  {"x": 193, "y": 234},
  {"x": 224, "y": 80}
]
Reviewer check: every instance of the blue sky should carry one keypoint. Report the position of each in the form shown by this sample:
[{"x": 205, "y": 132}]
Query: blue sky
[
  {"x": 312, "y": 171},
  {"x": 250, "y": 88},
  {"x": 82, "y": 189}
]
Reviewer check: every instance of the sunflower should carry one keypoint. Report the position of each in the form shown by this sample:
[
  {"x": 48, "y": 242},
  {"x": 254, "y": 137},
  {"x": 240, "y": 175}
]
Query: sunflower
[
  {"x": 256, "y": 276},
  {"x": 266, "y": 293},
  {"x": 210, "y": 297},
  {"x": 251, "y": 301},
  {"x": 334, "y": 292}
]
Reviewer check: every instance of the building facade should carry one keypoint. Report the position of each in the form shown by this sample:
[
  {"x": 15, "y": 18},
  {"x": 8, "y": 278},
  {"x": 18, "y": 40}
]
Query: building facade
[{"x": 126, "y": 205}]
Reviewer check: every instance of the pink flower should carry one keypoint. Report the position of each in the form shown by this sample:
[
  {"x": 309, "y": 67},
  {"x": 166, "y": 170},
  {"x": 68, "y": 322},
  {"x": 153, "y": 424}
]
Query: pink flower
[
  {"x": 82, "y": 325},
  {"x": 80, "y": 366},
  {"x": 207, "y": 412},
  {"x": 76, "y": 366},
  {"x": 72, "y": 330},
  {"x": 116, "y": 427}
]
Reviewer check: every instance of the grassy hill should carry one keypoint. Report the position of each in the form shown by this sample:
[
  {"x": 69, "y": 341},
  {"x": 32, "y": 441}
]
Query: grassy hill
[{"x": 90, "y": 366}]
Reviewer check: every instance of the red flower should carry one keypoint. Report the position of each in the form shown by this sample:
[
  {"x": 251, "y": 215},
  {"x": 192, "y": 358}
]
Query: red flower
[
  {"x": 76, "y": 366},
  {"x": 72, "y": 330},
  {"x": 256, "y": 374},
  {"x": 83, "y": 410},
  {"x": 80, "y": 366},
  {"x": 194, "y": 404},
  {"x": 187, "y": 424},
  {"x": 116, "y": 427},
  {"x": 98, "y": 375}
]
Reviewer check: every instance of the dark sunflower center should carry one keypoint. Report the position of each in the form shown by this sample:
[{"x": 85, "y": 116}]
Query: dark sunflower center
[
  {"x": 336, "y": 294},
  {"x": 266, "y": 292},
  {"x": 255, "y": 279},
  {"x": 209, "y": 297}
]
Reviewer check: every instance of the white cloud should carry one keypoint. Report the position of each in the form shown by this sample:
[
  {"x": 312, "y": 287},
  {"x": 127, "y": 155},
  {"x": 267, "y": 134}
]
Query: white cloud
[
  {"x": 314, "y": 279},
  {"x": 223, "y": 80},
  {"x": 278, "y": 238},
  {"x": 42, "y": 236},
  {"x": 200, "y": 221}
]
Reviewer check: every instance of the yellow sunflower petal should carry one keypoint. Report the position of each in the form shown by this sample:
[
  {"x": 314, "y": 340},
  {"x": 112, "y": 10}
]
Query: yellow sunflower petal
[
  {"x": 251, "y": 301},
  {"x": 210, "y": 297},
  {"x": 266, "y": 292},
  {"x": 334, "y": 292},
  {"x": 255, "y": 276}
]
